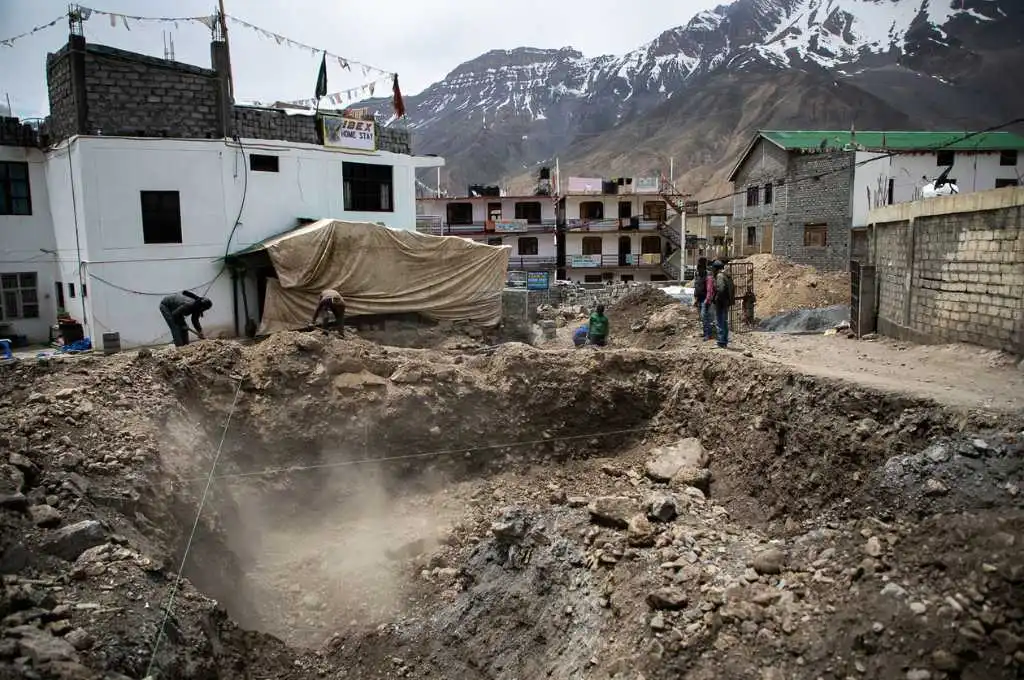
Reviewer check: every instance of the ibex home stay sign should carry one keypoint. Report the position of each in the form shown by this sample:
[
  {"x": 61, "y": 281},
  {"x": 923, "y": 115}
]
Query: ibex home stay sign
[{"x": 349, "y": 133}]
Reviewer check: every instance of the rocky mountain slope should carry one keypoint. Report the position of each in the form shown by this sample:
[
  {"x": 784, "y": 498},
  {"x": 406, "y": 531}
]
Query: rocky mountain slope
[{"x": 697, "y": 91}]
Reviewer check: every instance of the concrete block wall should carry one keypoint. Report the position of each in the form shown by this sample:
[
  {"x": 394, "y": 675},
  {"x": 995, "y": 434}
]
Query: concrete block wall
[
  {"x": 892, "y": 267},
  {"x": 817, "y": 190},
  {"x": 62, "y": 121},
  {"x": 258, "y": 123},
  {"x": 966, "y": 276},
  {"x": 15, "y": 133},
  {"x": 130, "y": 94}
]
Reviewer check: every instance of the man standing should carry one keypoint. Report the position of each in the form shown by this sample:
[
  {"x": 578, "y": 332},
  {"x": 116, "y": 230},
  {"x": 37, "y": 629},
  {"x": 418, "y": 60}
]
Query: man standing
[
  {"x": 723, "y": 298},
  {"x": 598, "y": 327},
  {"x": 175, "y": 308},
  {"x": 700, "y": 296},
  {"x": 331, "y": 300}
]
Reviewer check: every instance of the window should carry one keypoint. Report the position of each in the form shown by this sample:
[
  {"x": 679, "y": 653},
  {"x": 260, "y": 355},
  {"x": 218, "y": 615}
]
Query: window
[
  {"x": 626, "y": 278},
  {"x": 19, "y": 296},
  {"x": 71, "y": 291},
  {"x": 945, "y": 158},
  {"x": 262, "y": 163},
  {"x": 1008, "y": 158},
  {"x": 460, "y": 213},
  {"x": 751, "y": 236},
  {"x": 650, "y": 245},
  {"x": 768, "y": 193},
  {"x": 591, "y": 245},
  {"x": 592, "y": 210},
  {"x": 368, "y": 188},
  {"x": 655, "y": 210},
  {"x": 161, "y": 217},
  {"x": 15, "y": 198},
  {"x": 592, "y": 278},
  {"x": 890, "y": 196},
  {"x": 495, "y": 241},
  {"x": 753, "y": 195},
  {"x": 528, "y": 245},
  {"x": 659, "y": 277},
  {"x": 529, "y": 211},
  {"x": 59, "y": 288},
  {"x": 1000, "y": 183},
  {"x": 625, "y": 209},
  {"x": 494, "y": 211},
  {"x": 815, "y": 235}
]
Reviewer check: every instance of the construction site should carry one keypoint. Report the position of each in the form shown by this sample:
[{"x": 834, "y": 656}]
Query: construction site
[{"x": 311, "y": 506}]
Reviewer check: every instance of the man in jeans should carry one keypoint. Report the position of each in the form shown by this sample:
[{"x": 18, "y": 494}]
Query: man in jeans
[
  {"x": 722, "y": 299},
  {"x": 700, "y": 296}
]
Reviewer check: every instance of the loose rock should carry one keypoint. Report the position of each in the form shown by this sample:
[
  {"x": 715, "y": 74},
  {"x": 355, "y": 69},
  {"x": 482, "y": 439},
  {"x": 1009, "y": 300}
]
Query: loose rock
[
  {"x": 71, "y": 541},
  {"x": 668, "y": 461},
  {"x": 615, "y": 511},
  {"x": 770, "y": 561},
  {"x": 667, "y": 598}
]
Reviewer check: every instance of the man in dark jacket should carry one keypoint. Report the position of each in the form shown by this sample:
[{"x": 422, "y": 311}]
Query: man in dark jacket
[
  {"x": 175, "y": 308},
  {"x": 700, "y": 297},
  {"x": 722, "y": 298}
]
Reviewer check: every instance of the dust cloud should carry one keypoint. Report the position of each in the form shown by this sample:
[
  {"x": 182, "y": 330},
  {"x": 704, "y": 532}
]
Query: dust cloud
[{"x": 329, "y": 550}]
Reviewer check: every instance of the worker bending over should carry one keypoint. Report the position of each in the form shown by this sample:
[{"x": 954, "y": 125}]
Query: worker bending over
[
  {"x": 331, "y": 301},
  {"x": 175, "y": 308}
]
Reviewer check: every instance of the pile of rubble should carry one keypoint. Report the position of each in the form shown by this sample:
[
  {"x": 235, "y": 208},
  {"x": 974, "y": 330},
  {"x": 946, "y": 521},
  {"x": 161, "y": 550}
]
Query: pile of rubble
[{"x": 782, "y": 286}]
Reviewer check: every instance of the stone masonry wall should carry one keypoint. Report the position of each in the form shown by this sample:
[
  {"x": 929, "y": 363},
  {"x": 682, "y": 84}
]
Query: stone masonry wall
[
  {"x": 130, "y": 94},
  {"x": 765, "y": 163},
  {"x": 62, "y": 121},
  {"x": 258, "y": 123},
  {"x": 817, "y": 190},
  {"x": 892, "y": 266},
  {"x": 967, "y": 282}
]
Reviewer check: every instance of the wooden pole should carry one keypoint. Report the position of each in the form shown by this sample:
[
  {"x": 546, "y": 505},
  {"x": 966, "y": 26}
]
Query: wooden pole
[{"x": 227, "y": 49}]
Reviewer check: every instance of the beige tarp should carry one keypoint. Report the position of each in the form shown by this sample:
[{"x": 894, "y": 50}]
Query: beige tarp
[{"x": 382, "y": 271}]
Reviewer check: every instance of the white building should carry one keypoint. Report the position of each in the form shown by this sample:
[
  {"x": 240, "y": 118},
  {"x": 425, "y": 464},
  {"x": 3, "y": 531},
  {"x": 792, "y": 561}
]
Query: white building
[
  {"x": 613, "y": 230},
  {"x": 105, "y": 226},
  {"x": 524, "y": 223}
]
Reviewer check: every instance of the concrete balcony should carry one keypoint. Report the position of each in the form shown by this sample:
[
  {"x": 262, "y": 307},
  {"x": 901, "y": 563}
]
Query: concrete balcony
[
  {"x": 630, "y": 261},
  {"x": 436, "y": 225},
  {"x": 611, "y": 225}
]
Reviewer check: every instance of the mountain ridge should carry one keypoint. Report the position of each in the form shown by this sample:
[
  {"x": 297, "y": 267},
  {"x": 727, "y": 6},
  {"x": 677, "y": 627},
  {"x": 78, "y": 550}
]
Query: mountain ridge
[{"x": 498, "y": 116}]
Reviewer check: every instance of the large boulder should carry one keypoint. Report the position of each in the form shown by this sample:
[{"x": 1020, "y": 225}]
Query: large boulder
[
  {"x": 71, "y": 541},
  {"x": 667, "y": 461}
]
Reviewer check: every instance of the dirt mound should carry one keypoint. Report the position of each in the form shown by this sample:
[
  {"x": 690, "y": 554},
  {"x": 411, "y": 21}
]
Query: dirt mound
[
  {"x": 496, "y": 514},
  {"x": 782, "y": 286},
  {"x": 647, "y": 318}
]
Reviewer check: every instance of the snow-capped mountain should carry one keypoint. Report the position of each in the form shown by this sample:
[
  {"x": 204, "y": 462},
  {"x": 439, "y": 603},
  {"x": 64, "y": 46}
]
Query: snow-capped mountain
[{"x": 507, "y": 110}]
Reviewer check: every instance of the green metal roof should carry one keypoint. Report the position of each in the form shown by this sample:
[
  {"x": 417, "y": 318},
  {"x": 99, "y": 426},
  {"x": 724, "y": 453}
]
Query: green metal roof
[{"x": 811, "y": 140}]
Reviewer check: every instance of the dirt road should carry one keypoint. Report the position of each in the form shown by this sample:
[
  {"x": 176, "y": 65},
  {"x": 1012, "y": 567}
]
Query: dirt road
[{"x": 956, "y": 375}]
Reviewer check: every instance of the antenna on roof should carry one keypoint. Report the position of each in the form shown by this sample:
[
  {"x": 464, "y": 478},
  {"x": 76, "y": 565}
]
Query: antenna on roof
[{"x": 168, "y": 45}]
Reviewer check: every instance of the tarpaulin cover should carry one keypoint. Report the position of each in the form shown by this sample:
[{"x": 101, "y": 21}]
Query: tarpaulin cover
[{"x": 382, "y": 271}]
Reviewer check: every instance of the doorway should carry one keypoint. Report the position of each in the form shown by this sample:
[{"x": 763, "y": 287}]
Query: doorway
[
  {"x": 494, "y": 212},
  {"x": 625, "y": 250},
  {"x": 625, "y": 210}
]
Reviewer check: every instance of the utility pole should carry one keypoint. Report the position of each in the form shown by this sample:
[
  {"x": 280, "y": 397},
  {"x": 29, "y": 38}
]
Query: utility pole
[
  {"x": 671, "y": 169},
  {"x": 227, "y": 50}
]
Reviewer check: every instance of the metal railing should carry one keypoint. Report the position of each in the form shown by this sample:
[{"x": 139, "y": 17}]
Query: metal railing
[
  {"x": 631, "y": 260},
  {"x": 611, "y": 224},
  {"x": 434, "y": 224},
  {"x": 531, "y": 262}
]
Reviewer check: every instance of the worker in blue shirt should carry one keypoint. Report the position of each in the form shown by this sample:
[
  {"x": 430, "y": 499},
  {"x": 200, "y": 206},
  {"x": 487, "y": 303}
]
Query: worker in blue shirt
[{"x": 579, "y": 336}]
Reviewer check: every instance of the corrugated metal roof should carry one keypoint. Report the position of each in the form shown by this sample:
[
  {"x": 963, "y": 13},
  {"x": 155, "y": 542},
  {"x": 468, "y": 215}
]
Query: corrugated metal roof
[{"x": 811, "y": 140}]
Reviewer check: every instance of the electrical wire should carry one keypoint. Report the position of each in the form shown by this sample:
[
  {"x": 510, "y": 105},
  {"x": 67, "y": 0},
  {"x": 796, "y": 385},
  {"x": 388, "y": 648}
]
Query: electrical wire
[
  {"x": 882, "y": 156},
  {"x": 192, "y": 535}
]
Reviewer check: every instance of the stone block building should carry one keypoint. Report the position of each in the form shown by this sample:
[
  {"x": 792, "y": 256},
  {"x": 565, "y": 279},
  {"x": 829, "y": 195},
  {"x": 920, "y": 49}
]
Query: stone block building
[{"x": 799, "y": 193}]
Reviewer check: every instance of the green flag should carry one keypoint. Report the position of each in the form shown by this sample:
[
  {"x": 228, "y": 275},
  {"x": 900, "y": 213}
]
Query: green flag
[{"x": 321, "y": 78}]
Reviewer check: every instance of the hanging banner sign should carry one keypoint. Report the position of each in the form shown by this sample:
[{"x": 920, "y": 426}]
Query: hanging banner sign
[
  {"x": 349, "y": 133},
  {"x": 510, "y": 226}
]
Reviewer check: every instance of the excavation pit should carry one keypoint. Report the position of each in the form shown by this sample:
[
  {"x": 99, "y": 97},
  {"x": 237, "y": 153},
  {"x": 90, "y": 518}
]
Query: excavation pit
[{"x": 409, "y": 513}]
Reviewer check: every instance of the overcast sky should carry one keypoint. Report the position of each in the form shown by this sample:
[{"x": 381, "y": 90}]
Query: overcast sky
[{"x": 422, "y": 41}]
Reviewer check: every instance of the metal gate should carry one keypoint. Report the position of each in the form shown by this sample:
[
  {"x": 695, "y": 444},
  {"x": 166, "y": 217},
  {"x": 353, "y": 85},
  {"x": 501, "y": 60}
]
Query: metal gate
[
  {"x": 741, "y": 316},
  {"x": 862, "y": 298}
]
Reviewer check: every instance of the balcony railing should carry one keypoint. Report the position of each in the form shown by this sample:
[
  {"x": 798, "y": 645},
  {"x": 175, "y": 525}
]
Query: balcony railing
[
  {"x": 613, "y": 224},
  {"x": 435, "y": 224},
  {"x": 646, "y": 260},
  {"x": 531, "y": 262}
]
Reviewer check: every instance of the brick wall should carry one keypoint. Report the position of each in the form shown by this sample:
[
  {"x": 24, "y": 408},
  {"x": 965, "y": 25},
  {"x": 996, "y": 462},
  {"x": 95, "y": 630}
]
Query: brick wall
[
  {"x": 131, "y": 94},
  {"x": 826, "y": 199},
  {"x": 15, "y": 133},
  {"x": 966, "y": 266}
]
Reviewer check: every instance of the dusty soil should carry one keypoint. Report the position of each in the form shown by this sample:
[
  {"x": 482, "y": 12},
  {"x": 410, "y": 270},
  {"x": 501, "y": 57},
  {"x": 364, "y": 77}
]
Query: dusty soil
[
  {"x": 953, "y": 374},
  {"x": 512, "y": 512},
  {"x": 781, "y": 286}
]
